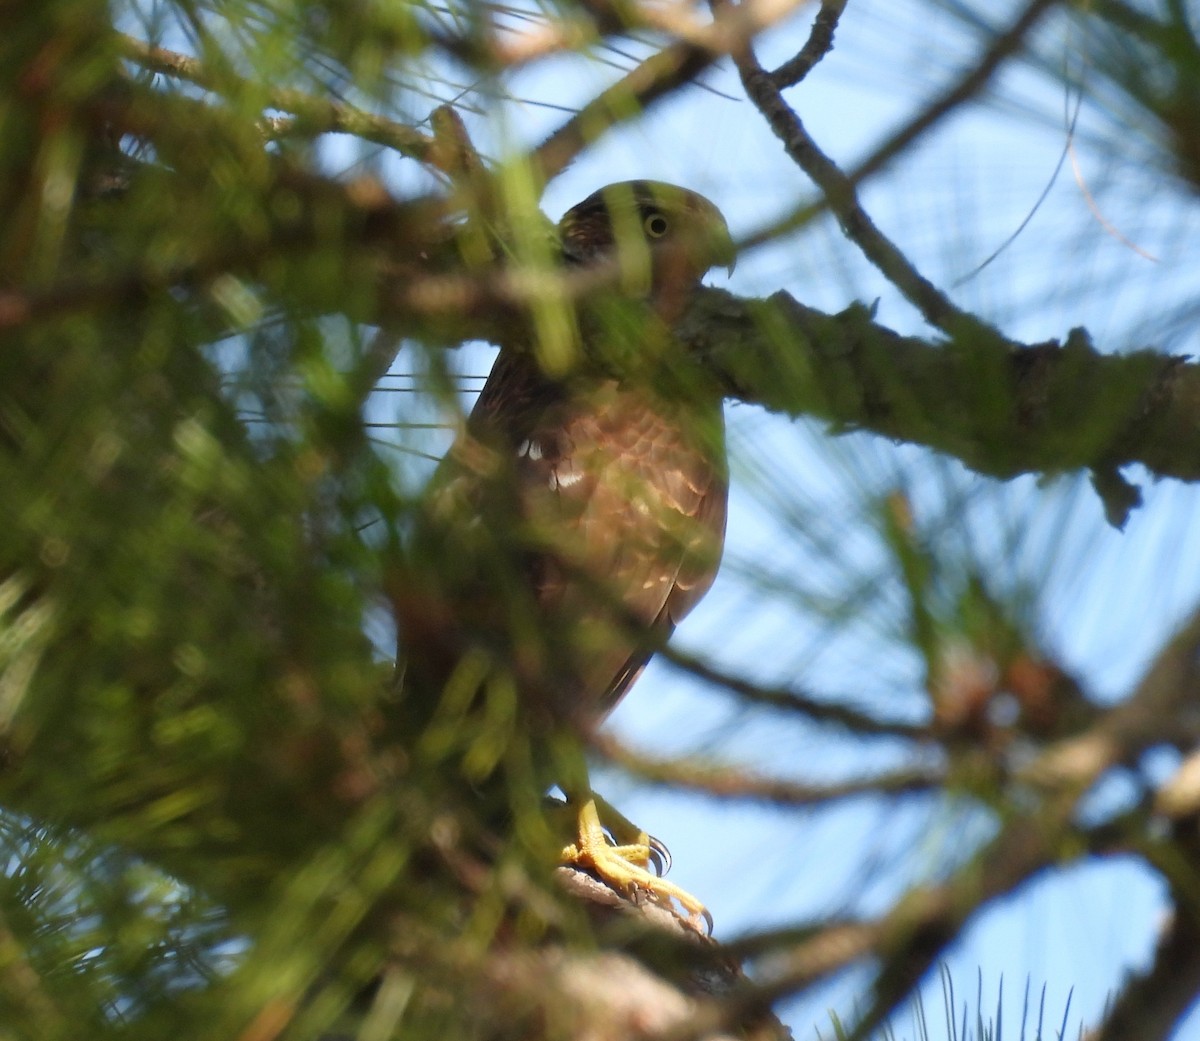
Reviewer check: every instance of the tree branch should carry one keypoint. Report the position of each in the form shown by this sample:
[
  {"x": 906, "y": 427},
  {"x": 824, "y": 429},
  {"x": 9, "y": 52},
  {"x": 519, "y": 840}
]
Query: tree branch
[
  {"x": 912, "y": 935},
  {"x": 819, "y": 43},
  {"x": 1151, "y": 1003},
  {"x": 732, "y": 782},
  {"x": 313, "y": 115},
  {"x": 659, "y": 75},
  {"x": 1000, "y": 408},
  {"x": 842, "y": 197},
  {"x": 971, "y": 82},
  {"x": 655, "y": 78},
  {"x": 789, "y": 699}
]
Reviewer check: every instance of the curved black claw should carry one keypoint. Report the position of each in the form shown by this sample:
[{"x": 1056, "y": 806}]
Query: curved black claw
[
  {"x": 627, "y": 867},
  {"x": 660, "y": 856}
]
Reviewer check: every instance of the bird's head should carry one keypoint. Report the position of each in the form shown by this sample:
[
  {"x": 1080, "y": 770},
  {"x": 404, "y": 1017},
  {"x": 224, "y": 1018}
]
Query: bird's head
[{"x": 662, "y": 238}]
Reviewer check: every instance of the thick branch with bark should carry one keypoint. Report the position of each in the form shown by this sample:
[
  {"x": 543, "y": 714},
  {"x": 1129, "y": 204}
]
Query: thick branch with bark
[{"x": 1000, "y": 407}]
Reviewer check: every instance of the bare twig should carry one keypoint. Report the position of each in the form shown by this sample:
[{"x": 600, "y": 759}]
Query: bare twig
[
  {"x": 659, "y": 75},
  {"x": 819, "y": 43},
  {"x": 970, "y": 83},
  {"x": 843, "y": 199},
  {"x": 730, "y": 782},
  {"x": 655, "y": 78},
  {"x": 789, "y": 699}
]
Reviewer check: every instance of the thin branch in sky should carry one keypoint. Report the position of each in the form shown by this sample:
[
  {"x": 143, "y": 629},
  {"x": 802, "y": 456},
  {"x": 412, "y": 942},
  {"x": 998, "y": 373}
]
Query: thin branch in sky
[
  {"x": 1094, "y": 208},
  {"x": 678, "y": 63},
  {"x": 957, "y": 93},
  {"x": 789, "y": 699},
  {"x": 819, "y": 43},
  {"x": 656, "y": 77},
  {"x": 734, "y": 782},
  {"x": 842, "y": 197}
]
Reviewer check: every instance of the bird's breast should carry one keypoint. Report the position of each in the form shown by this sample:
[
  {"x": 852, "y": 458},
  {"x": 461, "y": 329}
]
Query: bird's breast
[{"x": 630, "y": 488}]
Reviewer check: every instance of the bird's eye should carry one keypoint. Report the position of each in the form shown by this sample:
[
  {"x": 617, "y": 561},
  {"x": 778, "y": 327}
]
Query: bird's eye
[{"x": 655, "y": 225}]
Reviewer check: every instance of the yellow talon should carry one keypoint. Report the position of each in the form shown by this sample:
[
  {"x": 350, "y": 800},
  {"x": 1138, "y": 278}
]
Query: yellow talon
[{"x": 624, "y": 867}]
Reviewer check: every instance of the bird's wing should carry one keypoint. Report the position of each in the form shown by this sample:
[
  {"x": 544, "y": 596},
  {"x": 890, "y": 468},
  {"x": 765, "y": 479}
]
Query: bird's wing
[{"x": 631, "y": 510}]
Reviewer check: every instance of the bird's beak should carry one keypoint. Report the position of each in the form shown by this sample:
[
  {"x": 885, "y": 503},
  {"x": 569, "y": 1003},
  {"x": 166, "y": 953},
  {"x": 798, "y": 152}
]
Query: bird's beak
[{"x": 724, "y": 250}]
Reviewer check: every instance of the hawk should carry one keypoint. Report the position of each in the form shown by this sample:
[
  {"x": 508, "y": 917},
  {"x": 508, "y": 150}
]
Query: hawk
[{"x": 617, "y": 488}]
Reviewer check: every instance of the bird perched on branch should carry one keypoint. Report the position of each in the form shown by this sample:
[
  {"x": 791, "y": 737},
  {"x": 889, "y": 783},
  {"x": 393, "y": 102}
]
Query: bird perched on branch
[{"x": 612, "y": 489}]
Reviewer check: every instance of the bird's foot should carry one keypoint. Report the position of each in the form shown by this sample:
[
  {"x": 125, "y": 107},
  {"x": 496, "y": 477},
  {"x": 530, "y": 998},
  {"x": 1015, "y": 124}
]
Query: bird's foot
[{"x": 626, "y": 867}]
